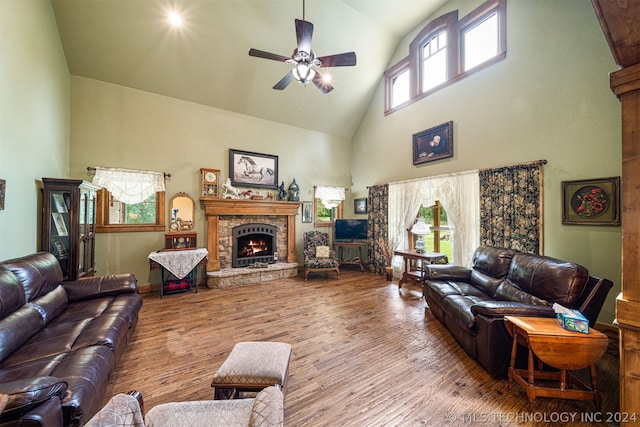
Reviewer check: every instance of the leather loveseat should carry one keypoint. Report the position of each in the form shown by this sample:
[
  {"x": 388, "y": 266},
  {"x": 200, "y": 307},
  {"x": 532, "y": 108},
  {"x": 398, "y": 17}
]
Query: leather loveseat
[
  {"x": 472, "y": 302},
  {"x": 60, "y": 341}
]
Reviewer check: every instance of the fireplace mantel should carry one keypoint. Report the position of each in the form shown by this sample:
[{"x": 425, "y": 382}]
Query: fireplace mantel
[{"x": 213, "y": 208}]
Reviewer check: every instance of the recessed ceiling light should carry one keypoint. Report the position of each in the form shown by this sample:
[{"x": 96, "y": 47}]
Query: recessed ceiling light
[{"x": 175, "y": 18}]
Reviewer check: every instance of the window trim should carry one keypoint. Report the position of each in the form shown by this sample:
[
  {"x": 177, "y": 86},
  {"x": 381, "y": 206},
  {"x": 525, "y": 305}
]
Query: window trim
[
  {"x": 102, "y": 215},
  {"x": 478, "y": 15},
  {"x": 338, "y": 210},
  {"x": 454, "y": 28},
  {"x": 390, "y": 75}
]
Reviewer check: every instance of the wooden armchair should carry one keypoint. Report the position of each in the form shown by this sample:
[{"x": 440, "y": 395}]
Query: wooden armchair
[{"x": 318, "y": 256}]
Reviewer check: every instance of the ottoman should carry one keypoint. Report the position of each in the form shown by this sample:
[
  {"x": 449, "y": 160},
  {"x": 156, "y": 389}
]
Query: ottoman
[{"x": 250, "y": 367}]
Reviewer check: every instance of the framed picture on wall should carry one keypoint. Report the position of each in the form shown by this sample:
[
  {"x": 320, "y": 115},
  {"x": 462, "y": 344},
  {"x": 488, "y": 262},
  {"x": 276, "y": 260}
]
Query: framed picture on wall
[
  {"x": 591, "y": 201},
  {"x": 307, "y": 211},
  {"x": 360, "y": 206},
  {"x": 433, "y": 144},
  {"x": 247, "y": 169},
  {"x": 3, "y": 186}
]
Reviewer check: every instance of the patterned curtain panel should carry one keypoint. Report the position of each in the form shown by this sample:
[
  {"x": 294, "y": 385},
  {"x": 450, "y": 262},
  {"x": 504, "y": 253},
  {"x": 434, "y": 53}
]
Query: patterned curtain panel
[
  {"x": 511, "y": 207},
  {"x": 378, "y": 218}
]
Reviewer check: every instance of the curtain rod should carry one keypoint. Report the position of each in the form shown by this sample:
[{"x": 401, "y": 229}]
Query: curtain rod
[
  {"x": 329, "y": 186},
  {"x": 92, "y": 169},
  {"x": 534, "y": 162}
]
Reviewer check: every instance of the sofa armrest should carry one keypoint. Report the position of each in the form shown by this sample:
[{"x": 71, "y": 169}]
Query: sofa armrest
[
  {"x": 122, "y": 410},
  {"x": 100, "y": 286},
  {"x": 27, "y": 393},
  {"x": 511, "y": 308},
  {"x": 448, "y": 272}
]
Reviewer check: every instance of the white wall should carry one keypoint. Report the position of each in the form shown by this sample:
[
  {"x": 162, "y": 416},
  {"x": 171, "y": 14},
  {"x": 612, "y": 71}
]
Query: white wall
[
  {"x": 549, "y": 99},
  {"x": 34, "y": 117}
]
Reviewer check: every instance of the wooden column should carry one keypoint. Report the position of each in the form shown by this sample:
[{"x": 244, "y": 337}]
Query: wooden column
[
  {"x": 626, "y": 84},
  {"x": 619, "y": 21},
  {"x": 216, "y": 207}
]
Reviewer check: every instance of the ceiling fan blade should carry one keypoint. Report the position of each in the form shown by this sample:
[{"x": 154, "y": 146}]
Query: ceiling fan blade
[
  {"x": 304, "y": 34},
  {"x": 267, "y": 55},
  {"x": 321, "y": 84},
  {"x": 284, "y": 82},
  {"x": 341, "y": 60}
]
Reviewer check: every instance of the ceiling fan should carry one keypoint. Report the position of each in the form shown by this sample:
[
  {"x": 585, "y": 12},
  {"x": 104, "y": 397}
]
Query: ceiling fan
[{"x": 305, "y": 59}]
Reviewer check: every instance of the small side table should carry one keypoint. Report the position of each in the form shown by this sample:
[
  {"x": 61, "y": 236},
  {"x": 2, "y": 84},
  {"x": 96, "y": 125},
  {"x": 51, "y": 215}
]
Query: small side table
[
  {"x": 564, "y": 350},
  {"x": 410, "y": 257},
  {"x": 181, "y": 264},
  {"x": 342, "y": 245}
]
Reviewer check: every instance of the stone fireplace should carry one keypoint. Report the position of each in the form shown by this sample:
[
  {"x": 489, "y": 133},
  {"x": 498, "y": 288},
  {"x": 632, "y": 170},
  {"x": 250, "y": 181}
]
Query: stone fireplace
[
  {"x": 224, "y": 215},
  {"x": 253, "y": 243}
]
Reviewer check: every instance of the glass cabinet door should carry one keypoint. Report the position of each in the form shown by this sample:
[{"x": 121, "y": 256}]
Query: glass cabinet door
[
  {"x": 82, "y": 238},
  {"x": 60, "y": 224}
]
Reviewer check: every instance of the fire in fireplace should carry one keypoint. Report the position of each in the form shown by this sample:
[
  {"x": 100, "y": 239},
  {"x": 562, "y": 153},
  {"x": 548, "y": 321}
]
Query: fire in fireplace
[{"x": 253, "y": 243}]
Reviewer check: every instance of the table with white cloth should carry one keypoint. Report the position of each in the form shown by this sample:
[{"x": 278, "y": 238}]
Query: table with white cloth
[{"x": 178, "y": 269}]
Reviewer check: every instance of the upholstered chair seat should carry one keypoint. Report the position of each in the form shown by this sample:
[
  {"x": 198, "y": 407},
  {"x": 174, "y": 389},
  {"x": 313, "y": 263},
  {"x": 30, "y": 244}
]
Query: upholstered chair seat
[{"x": 318, "y": 256}]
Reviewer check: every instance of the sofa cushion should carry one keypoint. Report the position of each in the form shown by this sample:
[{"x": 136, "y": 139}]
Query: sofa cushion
[
  {"x": 51, "y": 305},
  {"x": 200, "y": 413},
  {"x": 490, "y": 266},
  {"x": 508, "y": 292},
  {"x": 492, "y": 260},
  {"x": 25, "y": 394},
  {"x": 458, "y": 309},
  {"x": 16, "y": 329},
  {"x": 11, "y": 293},
  {"x": 38, "y": 273},
  {"x": 548, "y": 278}
]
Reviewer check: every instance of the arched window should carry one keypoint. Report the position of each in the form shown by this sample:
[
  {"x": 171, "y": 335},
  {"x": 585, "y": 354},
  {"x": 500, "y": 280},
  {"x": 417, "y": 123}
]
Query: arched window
[{"x": 447, "y": 50}]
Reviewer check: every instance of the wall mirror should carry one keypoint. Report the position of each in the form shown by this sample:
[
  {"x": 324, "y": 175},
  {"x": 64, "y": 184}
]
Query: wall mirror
[{"x": 182, "y": 209}]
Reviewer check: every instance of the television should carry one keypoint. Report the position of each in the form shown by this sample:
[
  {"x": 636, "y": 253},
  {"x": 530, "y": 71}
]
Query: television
[{"x": 350, "y": 230}]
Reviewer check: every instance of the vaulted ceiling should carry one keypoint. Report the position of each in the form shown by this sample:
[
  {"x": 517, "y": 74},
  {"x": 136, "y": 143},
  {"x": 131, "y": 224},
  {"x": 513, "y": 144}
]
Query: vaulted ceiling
[{"x": 130, "y": 43}]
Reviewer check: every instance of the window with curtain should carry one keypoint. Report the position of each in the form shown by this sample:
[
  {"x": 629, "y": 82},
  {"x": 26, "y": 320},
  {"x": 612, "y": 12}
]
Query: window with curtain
[
  {"x": 130, "y": 200},
  {"x": 328, "y": 203},
  {"x": 458, "y": 194}
]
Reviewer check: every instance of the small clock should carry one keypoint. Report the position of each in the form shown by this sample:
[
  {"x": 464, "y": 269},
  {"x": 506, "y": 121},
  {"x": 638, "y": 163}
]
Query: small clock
[{"x": 209, "y": 183}]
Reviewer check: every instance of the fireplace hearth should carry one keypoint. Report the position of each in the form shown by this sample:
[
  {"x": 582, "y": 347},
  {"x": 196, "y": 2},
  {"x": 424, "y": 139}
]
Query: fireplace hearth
[{"x": 253, "y": 243}]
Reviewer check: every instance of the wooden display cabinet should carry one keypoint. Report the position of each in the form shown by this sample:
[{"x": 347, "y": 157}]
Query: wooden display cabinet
[{"x": 68, "y": 225}]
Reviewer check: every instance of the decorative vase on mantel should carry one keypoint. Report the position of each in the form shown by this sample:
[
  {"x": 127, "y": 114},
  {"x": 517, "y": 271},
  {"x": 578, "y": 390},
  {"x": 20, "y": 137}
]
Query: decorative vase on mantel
[{"x": 294, "y": 192}]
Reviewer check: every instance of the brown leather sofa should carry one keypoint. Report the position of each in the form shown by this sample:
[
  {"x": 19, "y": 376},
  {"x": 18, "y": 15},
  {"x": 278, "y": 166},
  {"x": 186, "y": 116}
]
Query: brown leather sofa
[
  {"x": 60, "y": 341},
  {"x": 472, "y": 302}
]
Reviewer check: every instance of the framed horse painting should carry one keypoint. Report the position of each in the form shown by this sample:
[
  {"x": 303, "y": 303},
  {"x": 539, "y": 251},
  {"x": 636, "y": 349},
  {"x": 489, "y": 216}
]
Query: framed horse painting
[{"x": 247, "y": 169}]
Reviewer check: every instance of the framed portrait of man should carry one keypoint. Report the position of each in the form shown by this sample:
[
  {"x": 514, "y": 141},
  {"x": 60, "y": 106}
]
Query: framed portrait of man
[{"x": 433, "y": 144}]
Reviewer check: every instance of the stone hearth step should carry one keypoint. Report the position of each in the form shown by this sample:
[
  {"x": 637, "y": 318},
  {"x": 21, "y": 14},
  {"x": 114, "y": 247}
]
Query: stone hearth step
[{"x": 228, "y": 277}]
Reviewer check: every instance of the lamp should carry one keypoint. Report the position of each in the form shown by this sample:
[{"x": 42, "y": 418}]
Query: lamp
[{"x": 420, "y": 229}]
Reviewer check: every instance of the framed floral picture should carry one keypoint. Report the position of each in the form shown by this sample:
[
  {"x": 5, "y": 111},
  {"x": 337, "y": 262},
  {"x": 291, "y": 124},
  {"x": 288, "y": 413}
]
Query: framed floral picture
[{"x": 591, "y": 201}]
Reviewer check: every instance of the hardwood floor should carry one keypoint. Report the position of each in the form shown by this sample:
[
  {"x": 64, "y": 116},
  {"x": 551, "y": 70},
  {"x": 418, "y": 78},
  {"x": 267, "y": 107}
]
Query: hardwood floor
[{"x": 364, "y": 354}]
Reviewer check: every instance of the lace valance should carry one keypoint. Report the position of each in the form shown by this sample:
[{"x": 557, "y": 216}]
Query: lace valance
[
  {"x": 330, "y": 196},
  {"x": 128, "y": 185}
]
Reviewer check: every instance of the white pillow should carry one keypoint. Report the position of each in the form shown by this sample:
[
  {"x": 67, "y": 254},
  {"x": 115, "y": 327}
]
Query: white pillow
[{"x": 322, "y": 251}]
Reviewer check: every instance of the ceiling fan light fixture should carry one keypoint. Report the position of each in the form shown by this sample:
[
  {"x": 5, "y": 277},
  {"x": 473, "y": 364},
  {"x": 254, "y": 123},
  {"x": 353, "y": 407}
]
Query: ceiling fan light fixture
[{"x": 303, "y": 73}]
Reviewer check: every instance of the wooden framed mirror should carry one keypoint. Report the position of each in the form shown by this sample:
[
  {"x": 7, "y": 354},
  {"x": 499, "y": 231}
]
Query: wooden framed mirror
[{"x": 182, "y": 209}]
